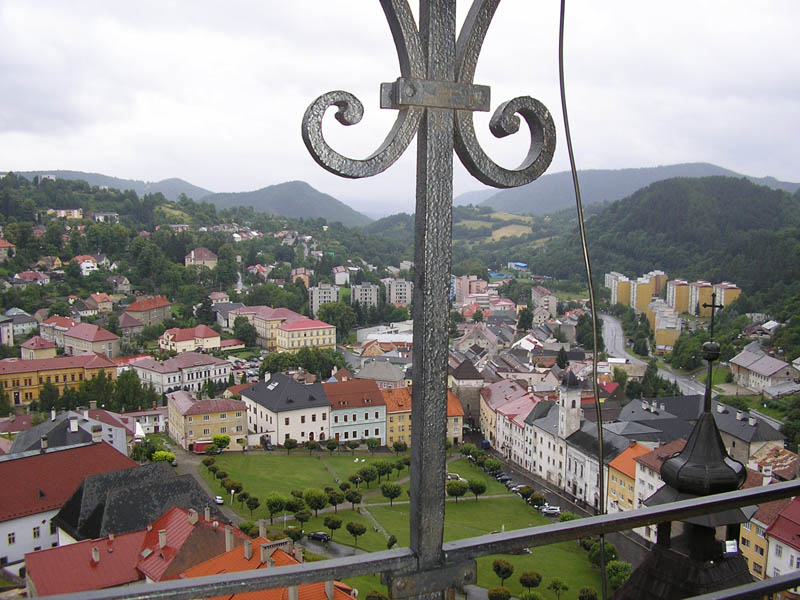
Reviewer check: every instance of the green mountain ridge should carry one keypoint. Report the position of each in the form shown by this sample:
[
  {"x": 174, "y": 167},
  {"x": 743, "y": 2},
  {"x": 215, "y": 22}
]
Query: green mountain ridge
[
  {"x": 553, "y": 192},
  {"x": 296, "y": 199}
]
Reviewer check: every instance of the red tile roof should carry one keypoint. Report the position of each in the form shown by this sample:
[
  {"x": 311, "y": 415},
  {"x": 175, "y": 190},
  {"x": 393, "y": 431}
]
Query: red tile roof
[
  {"x": 101, "y": 297},
  {"x": 34, "y": 493},
  {"x": 88, "y": 360},
  {"x": 655, "y": 458},
  {"x": 187, "y": 405},
  {"x": 37, "y": 342},
  {"x": 190, "y": 333},
  {"x": 786, "y": 527},
  {"x": 356, "y": 393},
  {"x": 15, "y": 423},
  {"x": 126, "y": 320},
  {"x": 303, "y": 324},
  {"x": 57, "y": 321},
  {"x": 234, "y": 561},
  {"x": 5, "y": 244},
  {"x": 201, "y": 254},
  {"x": 71, "y": 568},
  {"x": 90, "y": 333},
  {"x": 454, "y": 407},
  {"x": 228, "y": 343},
  {"x": 625, "y": 461},
  {"x": 146, "y": 304},
  {"x": 397, "y": 400}
]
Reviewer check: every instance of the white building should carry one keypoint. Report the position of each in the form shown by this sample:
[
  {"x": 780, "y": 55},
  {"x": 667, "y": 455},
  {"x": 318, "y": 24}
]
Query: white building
[
  {"x": 358, "y": 410},
  {"x": 188, "y": 370},
  {"x": 399, "y": 292},
  {"x": 366, "y": 294},
  {"x": 321, "y": 294}
]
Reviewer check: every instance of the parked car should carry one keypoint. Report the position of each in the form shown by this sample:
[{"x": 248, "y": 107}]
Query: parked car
[
  {"x": 517, "y": 487},
  {"x": 546, "y": 509},
  {"x": 319, "y": 536},
  {"x": 454, "y": 477},
  {"x": 218, "y": 500},
  {"x": 510, "y": 484},
  {"x": 503, "y": 478}
]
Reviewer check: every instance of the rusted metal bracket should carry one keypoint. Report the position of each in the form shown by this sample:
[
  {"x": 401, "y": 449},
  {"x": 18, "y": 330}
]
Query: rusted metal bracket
[
  {"x": 406, "y": 585},
  {"x": 435, "y": 94}
]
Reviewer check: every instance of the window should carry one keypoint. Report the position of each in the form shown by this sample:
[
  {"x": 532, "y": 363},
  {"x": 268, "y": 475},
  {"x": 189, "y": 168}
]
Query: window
[
  {"x": 53, "y": 528},
  {"x": 747, "y": 526},
  {"x": 759, "y": 550},
  {"x": 757, "y": 568},
  {"x": 345, "y": 418},
  {"x": 223, "y": 415},
  {"x": 745, "y": 542},
  {"x": 302, "y": 418},
  {"x": 238, "y": 413},
  {"x": 12, "y": 538},
  {"x": 376, "y": 415},
  {"x": 37, "y": 532},
  {"x": 776, "y": 572},
  {"x": 206, "y": 431},
  {"x": 355, "y": 417},
  {"x": 376, "y": 431},
  {"x": 778, "y": 550},
  {"x": 206, "y": 417},
  {"x": 286, "y": 420},
  {"x": 223, "y": 430},
  {"x": 314, "y": 418},
  {"x": 324, "y": 416},
  {"x": 335, "y": 418}
]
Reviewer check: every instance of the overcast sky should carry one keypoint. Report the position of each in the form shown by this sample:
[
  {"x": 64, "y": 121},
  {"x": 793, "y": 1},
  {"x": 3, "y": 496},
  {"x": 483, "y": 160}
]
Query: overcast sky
[{"x": 214, "y": 92}]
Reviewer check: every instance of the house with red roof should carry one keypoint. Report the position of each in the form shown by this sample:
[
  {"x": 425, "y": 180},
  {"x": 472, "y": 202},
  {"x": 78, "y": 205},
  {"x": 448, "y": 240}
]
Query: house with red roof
[
  {"x": 6, "y": 249},
  {"x": 194, "y": 423},
  {"x": 260, "y": 553},
  {"x": 191, "y": 339},
  {"x": 188, "y": 370},
  {"x": 101, "y": 302},
  {"x": 783, "y": 546},
  {"x": 25, "y": 278},
  {"x": 201, "y": 256},
  {"x": 53, "y": 329},
  {"x": 37, "y": 347},
  {"x": 358, "y": 410},
  {"x": 265, "y": 319},
  {"x": 35, "y": 486},
  {"x": 129, "y": 326},
  {"x": 178, "y": 540},
  {"x": 87, "y": 337},
  {"x": 150, "y": 311},
  {"x": 305, "y": 333}
]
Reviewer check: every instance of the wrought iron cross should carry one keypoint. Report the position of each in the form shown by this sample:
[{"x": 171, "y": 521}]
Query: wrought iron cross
[{"x": 435, "y": 97}]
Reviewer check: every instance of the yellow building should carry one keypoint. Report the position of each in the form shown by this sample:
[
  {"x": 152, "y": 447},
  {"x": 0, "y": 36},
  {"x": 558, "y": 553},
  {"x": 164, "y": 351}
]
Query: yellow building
[
  {"x": 642, "y": 292},
  {"x": 622, "y": 479},
  {"x": 37, "y": 347},
  {"x": 398, "y": 416},
  {"x": 659, "y": 281},
  {"x": 266, "y": 320},
  {"x": 726, "y": 292},
  {"x": 752, "y": 539},
  {"x": 194, "y": 423},
  {"x": 700, "y": 294},
  {"x": 192, "y": 339},
  {"x": 305, "y": 333},
  {"x": 678, "y": 295},
  {"x": 22, "y": 380}
]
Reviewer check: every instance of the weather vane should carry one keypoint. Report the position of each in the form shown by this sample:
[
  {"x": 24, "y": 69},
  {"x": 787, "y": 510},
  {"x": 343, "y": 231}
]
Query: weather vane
[{"x": 435, "y": 97}]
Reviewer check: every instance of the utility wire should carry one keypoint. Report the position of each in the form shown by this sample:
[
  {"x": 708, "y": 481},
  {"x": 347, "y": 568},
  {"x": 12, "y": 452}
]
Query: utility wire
[{"x": 587, "y": 263}]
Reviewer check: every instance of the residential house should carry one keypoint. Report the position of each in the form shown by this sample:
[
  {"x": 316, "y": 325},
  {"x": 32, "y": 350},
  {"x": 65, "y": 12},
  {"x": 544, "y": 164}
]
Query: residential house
[
  {"x": 341, "y": 275},
  {"x": 622, "y": 479},
  {"x": 120, "y": 283},
  {"x": 647, "y": 480},
  {"x": 28, "y": 506},
  {"x": 305, "y": 333},
  {"x": 54, "y": 328},
  {"x": 79, "y": 310},
  {"x": 49, "y": 263},
  {"x": 260, "y": 553},
  {"x": 775, "y": 462},
  {"x": 322, "y": 294},
  {"x": 194, "y": 423},
  {"x": 384, "y": 373},
  {"x": 357, "y": 412},
  {"x": 478, "y": 334},
  {"x": 71, "y": 428},
  {"x": 152, "y": 420},
  {"x": 37, "y": 347},
  {"x": 86, "y": 337},
  {"x": 492, "y": 397},
  {"x": 399, "y": 292},
  {"x": 753, "y": 542},
  {"x": 217, "y": 297},
  {"x": 281, "y": 408},
  {"x": 455, "y": 419},
  {"x": 221, "y": 310},
  {"x": 22, "y": 324},
  {"x": 192, "y": 339},
  {"x": 25, "y": 278},
  {"x": 6, "y": 331},
  {"x": 541, "y": 297},
  {"x": 466, "y": 382},
  {"x": 783, "y": 546},
  {"x": 6, "y": 250},
  {"x": 66, "y": 213},
  {"x": 510, "y": 428},
  {"x": 87, "y": 263},
  {"x": 468, "y": 285},
  {"x": 201, "y": 256},
  {"x": 101, "y": 302},
  {"x": 23, "y": 379},
  {"x": 302, "y": 274},
  {"x": 365, "y": 294},
  {"x": 150, "y": 311},
  {"x": 398, "y": 415},
  {"x": 757, "y": 371},
  {"x": 187, "y": 371},
  {"x": 129, "y": 326},
  {"x": 105, "y": 217}
]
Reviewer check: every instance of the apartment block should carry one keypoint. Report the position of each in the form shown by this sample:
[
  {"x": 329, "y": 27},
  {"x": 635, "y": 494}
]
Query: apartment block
[
  {"x": 542, "y": 297},
  {"x": 366, "y": 294},
  {"x": 726, "y": 292},
  {"x": 678, "y": 295},
  {"x": 642, "y": 292},
  {"x": 399, "y": 292},
  {"x": 620, "y": 287},
  {"x": 321, "y": 294},
  {"x": 699, "y": 294},
  {"x": 467, "y": 285}
]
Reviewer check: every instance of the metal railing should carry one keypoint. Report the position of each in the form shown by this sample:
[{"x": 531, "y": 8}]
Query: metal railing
[{"x": 435, "y": 97}]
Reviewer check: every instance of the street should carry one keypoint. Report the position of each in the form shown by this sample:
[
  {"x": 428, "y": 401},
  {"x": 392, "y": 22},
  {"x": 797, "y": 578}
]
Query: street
[{"x": 614, "y": 339}]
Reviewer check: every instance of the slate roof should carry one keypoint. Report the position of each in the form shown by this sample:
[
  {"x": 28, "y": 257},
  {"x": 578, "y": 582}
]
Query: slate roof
[
  {"x": 282, "y": 393},
  {"x": 466, "y": 371},
  {"x": 380, "y": 370},
  {"x": 225, "y": 307},
  {"x": 58, "y": 435},
  {"x": 65, "y": 468},
  {"x": 759, "y": 363},
  {"x": 585, "y": 440}
]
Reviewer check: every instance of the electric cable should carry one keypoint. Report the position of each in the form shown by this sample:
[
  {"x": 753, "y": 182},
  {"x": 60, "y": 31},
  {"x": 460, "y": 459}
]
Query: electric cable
[{"x": 587, "y": 263}]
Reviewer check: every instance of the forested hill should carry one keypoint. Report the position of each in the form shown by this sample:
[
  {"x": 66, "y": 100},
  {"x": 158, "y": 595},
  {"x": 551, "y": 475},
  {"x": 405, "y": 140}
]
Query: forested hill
[
  {"x": 171, "y": 188},
  {"x": 553, "y": 192},
  {"x": 295, "y": 199},
  {"x": 714, "y": 228}
]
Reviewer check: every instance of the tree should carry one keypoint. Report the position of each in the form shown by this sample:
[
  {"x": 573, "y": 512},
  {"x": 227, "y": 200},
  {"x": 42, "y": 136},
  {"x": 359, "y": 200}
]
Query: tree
[
  {"x": 163, "y": 455},
  {"x": 205, "y": 313},
  {"x": 242, "y": 496},
  {"x": 5, "y": 404},
  {"x": 252, "y": 503},
  {"x": 275, "y": 503},
  {"x": 372, "y": 444},
  {"x": 468, "y": 449},
  {"x": 293, "y": 533},
  {"x": 457, "y": 488},
  {"x": 567, "y": 516},
  {"x": 331, "y": 445},
  {"x": 356, "y": 530},
  {"x": 391, "y": 491},
  {"x": 289, "y": 444},
  {"x": 383, "y": 467},
  {"x": 354, "y": 479},
  {"x": 352, "y": 445},
  {"x": 245, "y": 331},
  {"x": 587, "y": 593},
  {"x": 295, "y": 504},
  {"x": 332, "y": 523},
  {"x": 561, "y": 358},
  {"x": 48, "y": 397},
  {"x": 525, "y": 321},
  {"x": 617, "y": 572},
  {"x": 368, "y": 474},
  {"x": 477, "y": 487},
  {"x": 399, "y": 446},
  {"x": 315, "y": 499},
  {"x": 312, "y": 445},
  {"x": 558, "y": 587},
  {"x": 478, "y": 316},
  {"x": 621, "y": 378},
  {"x": 221, "y": 440},
  {"x": 492, "y": 464},
  {"x": 525, "y": 491},
  {"x": 302, "y": 517},
  {"x": 222, "y": 476},
  {"x": 341, "y": 315},
  {"x": 353, "y": 497},
  {"x": 391, "y": 541},
  {"x": 399, "y": 465},
  {"x": 499, "y": 593},
  {"x": 530, "y": 579},
  {"x": 610, "y": 553},
  {"x": 503, "y": 569},
  {"x": 335, "y": 498}
]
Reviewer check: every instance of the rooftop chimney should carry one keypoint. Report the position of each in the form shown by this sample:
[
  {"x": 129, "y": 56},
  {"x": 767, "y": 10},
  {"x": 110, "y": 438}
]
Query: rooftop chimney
[
  {"x": 73, "y": 424},
  {"x": 192, "y": 516},
  {"x": 292, "y": 592},
  {"x": 86, "y": 413},
  {"x": 266, "y": 555},
  {"x": 43, "y": 442},
  {"x": 52, "y": 414},
  {"x": 162, "y": 538},
  {"x": 720, "y": 408},
  {"x": 262, "y": 528},
  {"x": 751, "y": 421},
  {"x": 739, "y": 415},
  {"x": 97, "y": 433},
  {"x": 207, "y": 513},
  {"x": 228, "y": 538},
  {"x": 298, "y": 553},
  {"x": 329, "y": 589},
  {"x": 95, "y": 554},
  {"x": 248, "y": 549},
  {"x": 92, "y": 404}
]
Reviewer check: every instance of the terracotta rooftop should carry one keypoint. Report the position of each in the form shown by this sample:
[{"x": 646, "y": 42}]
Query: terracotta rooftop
[
  {"x": 786, "y": 526},
  {"x": 66, "y": 469},
  {"x": 303, "y": 324},
  {"x": 90, "y": 333},
  {"x": 356, "y": 393},
  {"x": 655, "y": 458},
  {"x": 145, "y": 304},
  {"x": 88, "y": 360},
  {"x": 37, "y": 342},
  {"x": 58, "y": 321},
  {"x": 186, "y": 404},
  {"x": 201, "y": 254},
  {"x": 6, "y": 244},
  {"x": 190, "y": 333},
  {"x": 397, "y": 400},
  {"x": 625, "y": 462}
]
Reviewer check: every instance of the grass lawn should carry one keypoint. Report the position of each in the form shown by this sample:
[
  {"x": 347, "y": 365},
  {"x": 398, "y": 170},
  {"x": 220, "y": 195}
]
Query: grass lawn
[
  {"x": 718, "y": 376},
  {"x": 263, "y": 473},
  {"x": 510, "y": 231}
]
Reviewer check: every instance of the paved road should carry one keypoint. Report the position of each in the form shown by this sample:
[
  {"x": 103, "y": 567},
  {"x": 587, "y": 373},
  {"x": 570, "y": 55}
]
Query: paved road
[{"x": 614, "y": 340}]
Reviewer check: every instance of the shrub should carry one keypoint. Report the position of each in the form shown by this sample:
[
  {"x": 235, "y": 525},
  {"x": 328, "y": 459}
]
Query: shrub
[{"x": 499, "y": 593}]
